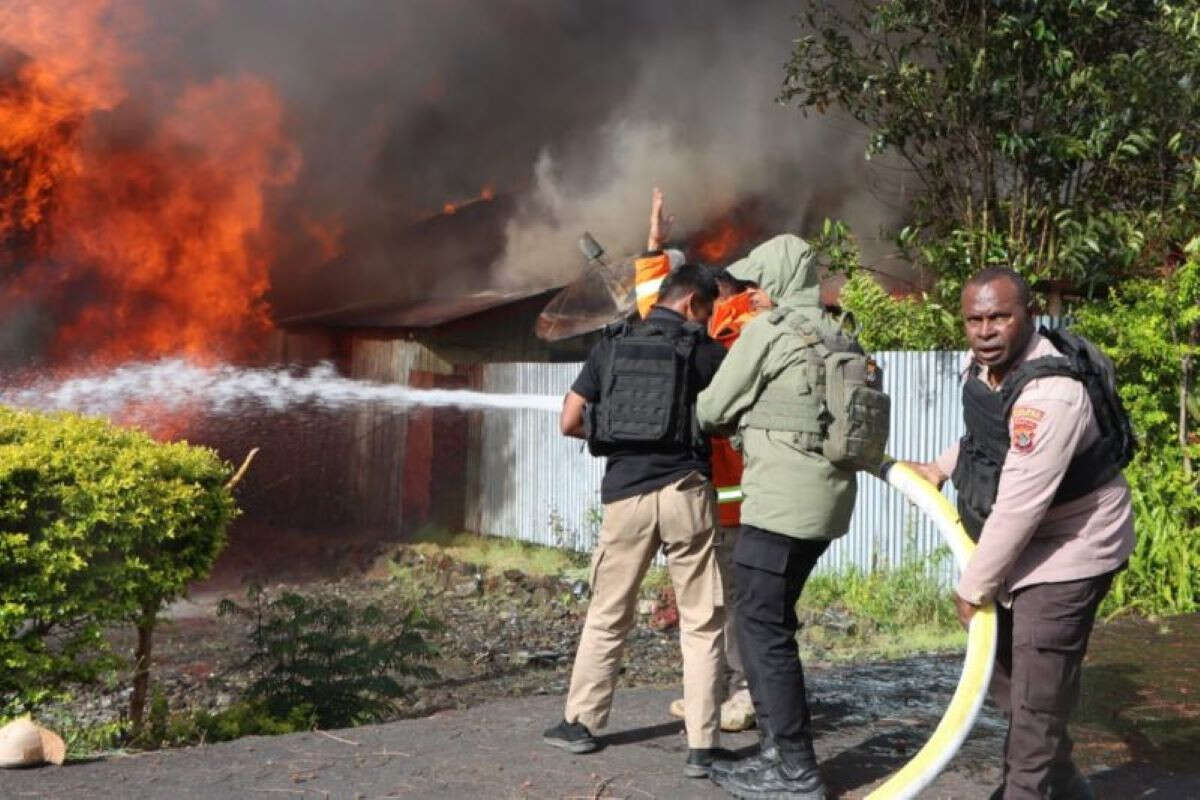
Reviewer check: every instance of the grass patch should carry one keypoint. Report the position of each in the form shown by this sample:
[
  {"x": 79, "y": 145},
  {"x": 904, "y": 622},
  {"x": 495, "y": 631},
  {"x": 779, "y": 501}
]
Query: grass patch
[
  {"x": 657, "y": 578},
  {"x": 850, "y": 615},
  {"x": 496, "y": 553},
  {"x": 886, "y": 613}
]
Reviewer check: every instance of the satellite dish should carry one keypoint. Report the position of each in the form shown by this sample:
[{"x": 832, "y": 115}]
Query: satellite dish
[{"x": 603, "y": 294}]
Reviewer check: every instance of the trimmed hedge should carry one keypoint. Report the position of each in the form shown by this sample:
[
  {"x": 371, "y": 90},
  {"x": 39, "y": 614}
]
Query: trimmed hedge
[{"x": 99, "y": 526}]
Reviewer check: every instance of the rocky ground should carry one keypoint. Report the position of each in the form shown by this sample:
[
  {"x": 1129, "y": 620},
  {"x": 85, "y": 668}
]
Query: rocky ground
[{"x": 501, "y": 633}]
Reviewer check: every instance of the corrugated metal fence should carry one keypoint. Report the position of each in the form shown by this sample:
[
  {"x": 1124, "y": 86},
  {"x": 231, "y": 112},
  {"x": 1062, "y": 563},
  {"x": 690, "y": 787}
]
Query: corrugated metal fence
[{"x": 538, "y": 486}]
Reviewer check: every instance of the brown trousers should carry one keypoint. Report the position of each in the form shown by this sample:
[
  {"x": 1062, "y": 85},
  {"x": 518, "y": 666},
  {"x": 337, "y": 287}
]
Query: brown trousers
[
  {"x": 680, "y": 518},
  {"x": 1039, "y": 658}
]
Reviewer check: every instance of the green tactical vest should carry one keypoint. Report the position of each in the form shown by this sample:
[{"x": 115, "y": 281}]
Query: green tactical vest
[{"x": 833, "y": 400}]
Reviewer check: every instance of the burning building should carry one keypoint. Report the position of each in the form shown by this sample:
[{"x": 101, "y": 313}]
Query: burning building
[{"x": 395, "y": 189}]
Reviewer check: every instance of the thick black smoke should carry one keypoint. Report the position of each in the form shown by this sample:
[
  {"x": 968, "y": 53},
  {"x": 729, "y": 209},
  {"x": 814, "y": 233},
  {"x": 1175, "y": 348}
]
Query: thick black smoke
[{"x": 569, "y": 111}]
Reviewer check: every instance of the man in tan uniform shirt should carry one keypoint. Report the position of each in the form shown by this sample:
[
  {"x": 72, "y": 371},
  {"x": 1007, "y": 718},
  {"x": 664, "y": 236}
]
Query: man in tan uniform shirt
[{"x": 1047, "y": 564}]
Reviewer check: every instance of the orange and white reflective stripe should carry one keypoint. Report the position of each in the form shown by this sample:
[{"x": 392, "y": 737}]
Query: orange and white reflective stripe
[
  {"x": 649, "y": 272},
  {"x": 650, "y": 287}
]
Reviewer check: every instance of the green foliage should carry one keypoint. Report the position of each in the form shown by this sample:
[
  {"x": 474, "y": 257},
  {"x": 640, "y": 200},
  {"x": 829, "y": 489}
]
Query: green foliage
[
  {"x": 898, "y": 323},
  {"x": 1060, "y": 138},
  {"x": 336, "y": 662},
  {"x": 99, "y": 525},
  {"x": 885, "y": 322},
  {"x": 1151, "y": 329},
  {"x": 897, "y": 600},
  {"x": 1163, "y": 576},
  {"x": 243, "y": 718},
  {"x": 495, "y": 554}
]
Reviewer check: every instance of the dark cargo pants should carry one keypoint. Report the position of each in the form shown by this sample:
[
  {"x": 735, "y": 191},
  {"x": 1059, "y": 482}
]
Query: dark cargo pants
[
  {"x": 1039, "y": 656},
  {"x": 770, "y": 570}
]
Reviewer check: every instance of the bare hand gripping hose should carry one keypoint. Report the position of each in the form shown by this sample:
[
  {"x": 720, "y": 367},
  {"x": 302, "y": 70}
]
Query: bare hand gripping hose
[{"x": 964, "y": 706}]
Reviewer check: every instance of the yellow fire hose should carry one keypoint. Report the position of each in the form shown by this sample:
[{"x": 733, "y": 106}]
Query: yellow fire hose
[{"x": 964, "y": 706}]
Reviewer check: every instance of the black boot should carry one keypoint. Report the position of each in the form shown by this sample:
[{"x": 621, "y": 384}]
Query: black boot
[
  {"x": 794, "y": 776},
  {"x": 1074, "y": 787},
  {"x": 767, "y": 753}
]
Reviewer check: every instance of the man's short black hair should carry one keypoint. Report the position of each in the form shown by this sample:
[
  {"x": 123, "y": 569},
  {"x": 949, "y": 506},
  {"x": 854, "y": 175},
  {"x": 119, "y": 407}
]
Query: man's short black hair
[
  {"x": 989, "y": 274},
  {"x": 725, "y": 278},
  {"x": 685, "y": 279}
]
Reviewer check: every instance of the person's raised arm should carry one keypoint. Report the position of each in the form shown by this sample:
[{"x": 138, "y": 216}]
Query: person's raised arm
[{"x": 660, "y": 224}]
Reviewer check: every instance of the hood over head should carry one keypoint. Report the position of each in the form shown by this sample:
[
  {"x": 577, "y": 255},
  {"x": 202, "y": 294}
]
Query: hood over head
[{"x": 785, "y": 267}]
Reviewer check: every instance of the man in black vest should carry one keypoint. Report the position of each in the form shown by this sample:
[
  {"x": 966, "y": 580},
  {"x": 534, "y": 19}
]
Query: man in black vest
[
  {"x": 656, "y": 493},
  {"x": 1040, "y": 488}
]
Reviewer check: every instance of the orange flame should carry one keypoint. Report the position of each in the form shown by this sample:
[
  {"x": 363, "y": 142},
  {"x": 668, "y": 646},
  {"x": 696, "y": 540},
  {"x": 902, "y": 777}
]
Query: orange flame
[
  {"x": 716, "y": 245},
  {"x": 486, "y": 194},
  {"x": 730, "y": 234},
  {"x": 150, "y": 242}
]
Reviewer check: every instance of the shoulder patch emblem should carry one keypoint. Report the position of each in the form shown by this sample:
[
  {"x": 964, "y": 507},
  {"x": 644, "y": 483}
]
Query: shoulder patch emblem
[{"x": 1024, "y": 424}]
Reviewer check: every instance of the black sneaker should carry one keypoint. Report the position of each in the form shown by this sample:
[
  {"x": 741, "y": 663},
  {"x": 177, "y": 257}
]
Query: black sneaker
[
  {"x": 574, "y": 737},
  {"x": 700, "y": 760}
]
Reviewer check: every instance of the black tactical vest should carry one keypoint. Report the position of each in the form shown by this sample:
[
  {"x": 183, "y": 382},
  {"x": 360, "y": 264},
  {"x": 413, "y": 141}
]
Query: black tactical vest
[
  {"x": 985, "y": 445},
  {"x": 645, "y": 393}
]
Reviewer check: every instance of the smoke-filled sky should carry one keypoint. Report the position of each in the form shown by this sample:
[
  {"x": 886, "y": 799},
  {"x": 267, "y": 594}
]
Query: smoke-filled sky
[
  {"x": 568, "y": 111},
  {"x": 576, "y": 108}
]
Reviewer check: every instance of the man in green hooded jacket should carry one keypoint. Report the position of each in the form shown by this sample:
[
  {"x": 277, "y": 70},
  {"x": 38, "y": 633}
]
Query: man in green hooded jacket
[{"x": 796, "y": 502}]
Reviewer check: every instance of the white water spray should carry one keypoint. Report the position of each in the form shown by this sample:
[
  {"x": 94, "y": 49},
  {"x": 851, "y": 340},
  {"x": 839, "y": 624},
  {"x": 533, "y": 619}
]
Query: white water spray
[{"x": 223, "y": 389}]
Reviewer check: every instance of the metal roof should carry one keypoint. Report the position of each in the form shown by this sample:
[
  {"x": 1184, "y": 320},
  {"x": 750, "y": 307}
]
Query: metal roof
[{"x": 424, "y": 313}]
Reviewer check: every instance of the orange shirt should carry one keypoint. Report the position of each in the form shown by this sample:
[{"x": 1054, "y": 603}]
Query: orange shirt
[{"x": 730, "y": 315}]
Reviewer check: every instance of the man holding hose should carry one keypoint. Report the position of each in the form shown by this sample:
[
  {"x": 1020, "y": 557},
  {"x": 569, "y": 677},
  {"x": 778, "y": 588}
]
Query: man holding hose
[{"x": 1040, "y": 488}]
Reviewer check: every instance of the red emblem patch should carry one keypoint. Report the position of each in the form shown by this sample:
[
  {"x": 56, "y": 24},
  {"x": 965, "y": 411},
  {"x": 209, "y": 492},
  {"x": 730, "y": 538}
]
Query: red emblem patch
[{"x": 1024, "y": 425}]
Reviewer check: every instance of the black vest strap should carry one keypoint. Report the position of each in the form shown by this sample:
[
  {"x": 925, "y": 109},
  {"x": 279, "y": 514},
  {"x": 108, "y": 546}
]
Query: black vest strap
[{"x": 985, "y": 445}]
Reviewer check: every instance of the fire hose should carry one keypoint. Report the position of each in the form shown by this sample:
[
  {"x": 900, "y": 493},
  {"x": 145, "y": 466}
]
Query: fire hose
[{"x": 964, "y": 705}]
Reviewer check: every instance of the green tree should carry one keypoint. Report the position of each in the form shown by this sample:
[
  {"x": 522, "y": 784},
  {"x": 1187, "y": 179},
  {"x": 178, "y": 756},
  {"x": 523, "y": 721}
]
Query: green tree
[{"x": 1057, "y": 137}]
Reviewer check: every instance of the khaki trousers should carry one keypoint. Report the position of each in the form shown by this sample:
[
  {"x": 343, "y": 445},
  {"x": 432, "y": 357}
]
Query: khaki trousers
[{"x": 680, "y": 518}]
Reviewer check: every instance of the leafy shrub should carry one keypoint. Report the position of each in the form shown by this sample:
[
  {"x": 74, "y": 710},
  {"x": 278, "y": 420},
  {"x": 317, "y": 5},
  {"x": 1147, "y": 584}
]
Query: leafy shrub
[
  {"x": 332, "y": 660},
  {"x": 1163, "y": 576},
  {"x": 1151, "y": 329},
  {"x": 243, "y": 718},
  {"x": 898, "y": 323},
  {"x": 914, "y": 322},
  {"x": 99, "y": 525}
]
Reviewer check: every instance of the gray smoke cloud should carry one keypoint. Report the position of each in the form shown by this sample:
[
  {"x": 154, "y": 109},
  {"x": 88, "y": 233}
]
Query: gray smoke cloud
[
  {"x": 570, "y": 111},
  {"x": 573, "y": 109}
]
